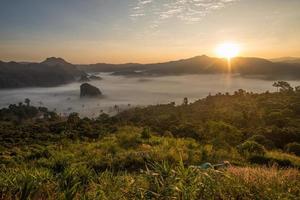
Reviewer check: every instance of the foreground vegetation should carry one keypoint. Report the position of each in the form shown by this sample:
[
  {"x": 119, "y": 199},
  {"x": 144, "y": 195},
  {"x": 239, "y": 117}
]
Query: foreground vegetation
[{"x": 156, "y": 152}]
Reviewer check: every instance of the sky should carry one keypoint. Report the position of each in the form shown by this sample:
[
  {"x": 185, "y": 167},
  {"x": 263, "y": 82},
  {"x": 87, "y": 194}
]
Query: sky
[{"x": 144, "y": 31}]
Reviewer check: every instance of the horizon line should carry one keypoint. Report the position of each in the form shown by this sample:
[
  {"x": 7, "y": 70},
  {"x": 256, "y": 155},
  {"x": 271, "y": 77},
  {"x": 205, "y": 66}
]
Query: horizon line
[{"x": 141, "y": 63}]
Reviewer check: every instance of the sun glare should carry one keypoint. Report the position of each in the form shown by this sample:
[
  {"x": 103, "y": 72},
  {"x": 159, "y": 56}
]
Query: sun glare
[{"x": 227, "y": 50}]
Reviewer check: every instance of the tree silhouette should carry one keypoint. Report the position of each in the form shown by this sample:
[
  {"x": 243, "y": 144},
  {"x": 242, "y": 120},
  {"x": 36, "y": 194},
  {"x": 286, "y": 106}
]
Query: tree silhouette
[
  {"x": 185, "y": 101},
  {"x": 27, "y": 101},
  {"x": 283, "y": 86}
]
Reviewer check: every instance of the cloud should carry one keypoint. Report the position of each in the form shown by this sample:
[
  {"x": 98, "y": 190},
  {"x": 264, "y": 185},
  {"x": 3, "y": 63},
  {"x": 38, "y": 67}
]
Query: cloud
[{"x": 188, "y": 11}]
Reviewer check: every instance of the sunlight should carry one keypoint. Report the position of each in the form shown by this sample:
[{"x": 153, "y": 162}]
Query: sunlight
[{"x": 227, "y": 50}]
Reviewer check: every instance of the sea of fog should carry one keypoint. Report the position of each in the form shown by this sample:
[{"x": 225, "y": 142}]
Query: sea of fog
[{"x": 126, "y": 92}]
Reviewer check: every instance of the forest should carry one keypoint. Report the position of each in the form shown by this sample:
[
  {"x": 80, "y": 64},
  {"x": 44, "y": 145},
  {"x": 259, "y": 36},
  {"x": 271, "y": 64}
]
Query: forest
[{"x": 157, "y": 152}]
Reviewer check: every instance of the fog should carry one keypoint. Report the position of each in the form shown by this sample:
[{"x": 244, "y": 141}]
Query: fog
[{"x": 128, "y": 92}]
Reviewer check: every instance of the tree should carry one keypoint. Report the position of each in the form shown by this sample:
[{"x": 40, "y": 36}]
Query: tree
[
  {"x": 185, "y": 101},
  {"x": 27, "y": 101},
  {"x": 276, "y": 118},
  {"x": 240, "y": 92},
  {"x": 297, "y": 89},
  {"x": 73, "y": 119},
  {"x": 283, "y": 86}
]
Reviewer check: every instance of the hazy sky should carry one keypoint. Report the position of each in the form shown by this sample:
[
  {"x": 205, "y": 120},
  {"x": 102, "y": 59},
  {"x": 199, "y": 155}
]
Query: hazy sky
[{"x": 117, "y": 31}]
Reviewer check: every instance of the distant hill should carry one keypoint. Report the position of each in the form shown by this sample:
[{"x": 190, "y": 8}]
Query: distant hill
[
  {"x": 55, "y": 71},
  {"x": 262, "y": 68},
  {"x": 245, "y": 66},
  {"x": 53, "y": 61},
  {"x": 286, "y": 60},
  {"x": 51, "y": 72},
  {"x": 105, "y": 67}
]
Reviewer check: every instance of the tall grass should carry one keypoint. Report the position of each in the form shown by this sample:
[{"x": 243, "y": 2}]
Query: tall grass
[
  {"x": 125, "y": 167},
  {"x": 180, "y": 182},
  {"x": 25, "y": 183},
  {"x": 160, "y": 180},
  {"x": 268, "y": 183}
]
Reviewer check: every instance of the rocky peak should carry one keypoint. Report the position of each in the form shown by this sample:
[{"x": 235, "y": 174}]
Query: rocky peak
[
  {"x": 88, "y": 90},
  {"x": 54, "y": 61}
]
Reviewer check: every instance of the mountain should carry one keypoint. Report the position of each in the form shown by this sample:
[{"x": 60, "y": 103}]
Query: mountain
[
  {"x": 64, "y": 65},
  {"x": 245, "y": 66},
  {"x": 55, "y": 71},
  {"x": 286, "y": 60},
  {"x": 53, "y": 61},
  {"x": 262, "y": 68},
  {"x": 104, "y": 67},
  {"x": 51, "y": 72}
]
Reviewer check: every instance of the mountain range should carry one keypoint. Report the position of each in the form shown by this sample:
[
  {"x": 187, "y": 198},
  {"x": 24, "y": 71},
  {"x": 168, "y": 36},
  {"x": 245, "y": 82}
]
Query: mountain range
[
  {"x": 245, "y": 66},
  {"x": 286, "y": 60},
  {"x": 56, "y": 71},
  {"x": 51, "y": 72}
]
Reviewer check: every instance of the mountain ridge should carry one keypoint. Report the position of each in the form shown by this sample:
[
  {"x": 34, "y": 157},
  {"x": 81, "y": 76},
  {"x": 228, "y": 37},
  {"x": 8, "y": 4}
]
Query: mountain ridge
[
  {"x": 52, "y": 61},
  {"x": 55, "y": 71},
  {"x": 245, "y": 66},
  {"x": 44, "y": 74},
  {"x": 286, "y": 59}
]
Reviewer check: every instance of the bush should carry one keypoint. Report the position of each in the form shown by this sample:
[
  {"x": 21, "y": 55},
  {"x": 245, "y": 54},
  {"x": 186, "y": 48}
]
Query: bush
[
  {"x": 260, "y": 139},
  {"x": 282, "y": 163},
  {"x": 259, "y": 159},
  {"x": 37, "y": 154},
  {"x": 223, "y": 132},
  {"x": 264, "y": 160},
  {"x": 129, "y": 140},
  {"x": 58, "y": 164},
  {"x": 251, "y": 148},
  {"x": 293, "y": 148},
  {"x": 146, "y": 134},
  {"x": 276, "y": 118}
]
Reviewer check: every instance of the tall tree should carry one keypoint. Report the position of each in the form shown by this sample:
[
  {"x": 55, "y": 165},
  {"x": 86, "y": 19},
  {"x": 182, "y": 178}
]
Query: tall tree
[{"x": 27, "y": 101}]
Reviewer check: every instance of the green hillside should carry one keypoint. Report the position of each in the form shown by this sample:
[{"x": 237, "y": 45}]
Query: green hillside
[{"x": 156, "y": 152}]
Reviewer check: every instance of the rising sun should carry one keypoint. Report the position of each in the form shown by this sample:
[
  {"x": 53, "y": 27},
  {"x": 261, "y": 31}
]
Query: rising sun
[{"x": 227, "y": 50}]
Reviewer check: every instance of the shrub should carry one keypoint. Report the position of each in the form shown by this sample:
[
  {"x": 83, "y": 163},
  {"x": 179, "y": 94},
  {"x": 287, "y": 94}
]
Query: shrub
[
  {"x": 293, "y": 148},
  {"x": 259, "y": 159},
  {"x": 59, "y": 164},
  {"x": 251, "y": 148},
  {"x": 295, "y": 160},
  {"x": 223, "y": 132},
  {"x": 282, "y": 163},
  {"x": 264, "y": 160},
  {"x": 263, "y": 141},
  {"x": 187, "y": 130},
  {"x": 146, "y": 134},
  {"x": 37, "y": 154},
  {"x": 276, "y": 118},
  {"x": 129, "y": 140}
]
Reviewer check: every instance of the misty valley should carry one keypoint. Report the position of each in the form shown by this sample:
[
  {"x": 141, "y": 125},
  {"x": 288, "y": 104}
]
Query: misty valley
[
  {"x": 121, "y": 92},
  {"x": 55, "y": 83}
]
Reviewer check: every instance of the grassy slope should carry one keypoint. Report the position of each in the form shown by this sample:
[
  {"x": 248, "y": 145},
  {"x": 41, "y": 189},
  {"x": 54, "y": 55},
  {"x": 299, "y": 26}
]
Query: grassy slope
[
  {"x": 126, "y": 166},
  {"x": 117, "y": 158}
]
